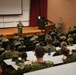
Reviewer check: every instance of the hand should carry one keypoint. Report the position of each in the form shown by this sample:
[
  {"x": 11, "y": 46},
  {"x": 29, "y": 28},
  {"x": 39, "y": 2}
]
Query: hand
[
  {"x": 31, "y": 61},
  {"x": 64, "y": 58}
]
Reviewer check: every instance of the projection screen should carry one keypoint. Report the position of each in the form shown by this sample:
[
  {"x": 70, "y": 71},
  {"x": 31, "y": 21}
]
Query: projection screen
[{"x": 10, "y": 7}]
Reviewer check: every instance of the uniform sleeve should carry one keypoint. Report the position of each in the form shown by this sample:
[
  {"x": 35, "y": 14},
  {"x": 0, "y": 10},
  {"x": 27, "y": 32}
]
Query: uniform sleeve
[
  {"x": 49, "y": 63},
  {"x": 2, "y": 56},
  {"x": 71, "y": 58},
  {"x": 24, "y": 68}
]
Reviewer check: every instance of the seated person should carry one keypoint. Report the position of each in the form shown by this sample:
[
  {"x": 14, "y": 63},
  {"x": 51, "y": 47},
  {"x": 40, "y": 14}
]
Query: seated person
[
  {"x": 24, "y": 56},
  {"x": 47, "y": 36},
  {"x": 40, "y": 63},
  {"x": 39, "y": 44},
  {"x": 69, "y": 30},
  {"x": 9, "y": 54},
  {"x": 56, "y": 42},
  {"x": 74, "y": 38},
  {"x": 35, "y": 41},
  {"x": 63, "y": 47},
  {"x": 22, "y": 45},
  {"x": 63, "y": 38},
  {"x": 74, "y": 29},
  {"x": 16, "y": 36},
  {"x": 70, "y": 56},
  {"x": 29, "y": 35},
  {"x": 7, "y": 48},
  {"x": 49, "y": 45},
  {"x": 16, "y": 42},
  {"x": 1, "y": 48},
  {"x": 34, "y": 36},
  {"x": 4, "y": 39},
  {"x": 70, "y": 39},
  {"x": 41, "y": 33},
  {"x": 21, "y": 38}
]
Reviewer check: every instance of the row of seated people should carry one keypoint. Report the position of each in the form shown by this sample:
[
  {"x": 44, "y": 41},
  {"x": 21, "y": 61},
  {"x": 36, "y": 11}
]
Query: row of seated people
[
  {"x": 45, "y": 38},
  {"x": 40, "y": 39},
  {"x": 10, "y": 53},
  {"x": 40, "y": 63},
  {"x": 31, "y": 40},
  {"x": 20, "y": 46}
]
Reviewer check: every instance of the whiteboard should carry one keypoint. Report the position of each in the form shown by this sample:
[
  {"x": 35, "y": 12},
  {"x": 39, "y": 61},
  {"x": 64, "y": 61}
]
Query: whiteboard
[{"x": 10, "y": 7}]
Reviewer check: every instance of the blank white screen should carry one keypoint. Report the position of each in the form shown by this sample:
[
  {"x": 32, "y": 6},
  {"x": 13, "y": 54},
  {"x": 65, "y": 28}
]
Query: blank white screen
[{"x": 10, "y": 7}]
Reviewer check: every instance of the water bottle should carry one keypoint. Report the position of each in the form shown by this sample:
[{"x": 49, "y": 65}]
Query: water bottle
[{"x": 49, "y": 51}]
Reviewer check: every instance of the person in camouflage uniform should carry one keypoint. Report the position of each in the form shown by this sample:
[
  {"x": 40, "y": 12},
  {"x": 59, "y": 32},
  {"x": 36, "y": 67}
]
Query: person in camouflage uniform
[
  {"x": 22, "y": 45},
  {"x": 70, "y": 56},
  {"x": 70, "y": 39},
  {"x": 60, "y": 24},
  {"x": 63, "y": 47},
  {"x": 49, "y": 45},
  {"x": 9, "y": 53},
  {"x": 74, "y": 29},
  {"x": 24, "y": 56},
  {"x": 1, "y": 48},
  {"x": 19, "y": 26},
  {"x": 56, "y": 42},
  {"x": 36, "y": 65}
]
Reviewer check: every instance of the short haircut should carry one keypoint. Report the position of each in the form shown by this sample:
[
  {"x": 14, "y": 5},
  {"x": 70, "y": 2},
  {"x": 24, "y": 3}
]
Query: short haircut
[
  {"x": 39, "y": 51},
  {"x": 49, "y": 41},
  {"x": 24, "y": 55},
  {"x": 12, "y": 47},
  {"x": 63, "y": 44}
]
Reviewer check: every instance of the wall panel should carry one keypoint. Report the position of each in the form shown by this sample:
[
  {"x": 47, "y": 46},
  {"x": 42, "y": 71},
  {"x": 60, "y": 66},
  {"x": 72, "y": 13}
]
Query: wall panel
[{"x": 65, "y": 9}]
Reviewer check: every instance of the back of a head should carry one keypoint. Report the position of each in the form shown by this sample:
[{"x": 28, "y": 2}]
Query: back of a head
[
  {"x": 0, "y": 43},
  {"x": 12, "y": 47},
  {"x": 7, "y": 47},
  {"x": 69, "y": 35},
  {"x": 24, "y": 55},
  {"x": 39, "y": 51},
  {"x": 63, "y": 44},
  {"x": 22, "y": 42},
  {"x": 49, "y": 41}
]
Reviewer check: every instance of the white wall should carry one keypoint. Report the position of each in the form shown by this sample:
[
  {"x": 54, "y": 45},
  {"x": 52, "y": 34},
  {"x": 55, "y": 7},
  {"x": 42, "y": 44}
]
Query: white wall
[{"x": 11, "y": 21}]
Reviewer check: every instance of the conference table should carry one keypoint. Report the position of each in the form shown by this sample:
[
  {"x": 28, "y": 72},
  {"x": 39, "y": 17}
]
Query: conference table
[
  {"x": 31, "y": 56},
  {"x": 69, "y": 47}
]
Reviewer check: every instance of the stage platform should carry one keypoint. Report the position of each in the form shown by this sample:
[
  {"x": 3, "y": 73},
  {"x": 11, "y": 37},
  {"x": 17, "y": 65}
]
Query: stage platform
[{"x": 9, "y": 32}]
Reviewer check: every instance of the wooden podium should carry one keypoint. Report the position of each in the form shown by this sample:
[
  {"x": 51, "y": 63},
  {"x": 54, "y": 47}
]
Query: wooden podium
[
  {"x": 49, "y": 27},
  {"x": 41, "y": 24}
]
